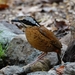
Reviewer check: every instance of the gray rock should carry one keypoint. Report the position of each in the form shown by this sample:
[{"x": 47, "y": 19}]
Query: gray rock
[
  {"x": 39, "y": 73},
  {"x": 5, "y": 34},
  {"x": 52, "y": 56},
  {"x": 20, "y": 51},
  {"x": 41, "y": 65},
  {"x": 69, "y": 69},
  {"x": 68, "y": 40},
  {"x": 13, "y": 28},
  {"x": 52, "y": 72},
  {"x": 8, "y": 32},
  {"x": 10, "y": 70},
  {"x": 69, "y": 55}
]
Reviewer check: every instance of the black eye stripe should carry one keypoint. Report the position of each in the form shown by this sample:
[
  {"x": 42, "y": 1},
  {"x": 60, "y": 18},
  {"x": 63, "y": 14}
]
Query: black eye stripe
[{"x": 29, "y": 21}]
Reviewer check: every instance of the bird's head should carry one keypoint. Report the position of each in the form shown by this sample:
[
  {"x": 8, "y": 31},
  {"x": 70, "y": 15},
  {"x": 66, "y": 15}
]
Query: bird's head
[{"x": 26, "y": 21}]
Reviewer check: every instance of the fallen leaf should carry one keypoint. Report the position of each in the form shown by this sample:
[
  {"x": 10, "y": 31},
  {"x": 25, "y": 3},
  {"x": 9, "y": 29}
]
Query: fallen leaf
[
  {"x": 61, "y": 25},
  {"x": 60, "y": 70},
  {"x": 4, "y": 4}
]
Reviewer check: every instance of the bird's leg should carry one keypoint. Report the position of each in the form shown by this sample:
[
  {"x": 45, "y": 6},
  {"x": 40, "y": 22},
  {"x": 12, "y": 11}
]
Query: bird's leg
[
  {"x": 42, "y": 55},
  {"x": 39, "y": 57},
  {"x": 59, "y": 59},
  {"x": 59, "y": 71}
]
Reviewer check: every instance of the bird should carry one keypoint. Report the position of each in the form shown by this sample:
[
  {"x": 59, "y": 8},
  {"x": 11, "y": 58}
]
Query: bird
[{"x": 39, "y": 36}]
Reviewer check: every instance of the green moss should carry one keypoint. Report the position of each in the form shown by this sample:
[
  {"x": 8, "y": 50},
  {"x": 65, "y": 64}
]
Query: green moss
[
  {"x": 3, "y": 47},
  {"x": 1, "y": 51}
]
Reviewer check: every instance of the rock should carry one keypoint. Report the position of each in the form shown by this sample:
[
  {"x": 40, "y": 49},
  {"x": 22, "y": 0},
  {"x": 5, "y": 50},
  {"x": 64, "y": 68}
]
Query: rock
[
  {"x": 16, "y": 70},
  {"x": 41, "y": 65},
  {"x": 13, "y": 28},
  {"x": 52, "y": 56},
  {"x": 69, "y": 69},
  {"x": 5, "y": 34},
  {"x": 68, "y": 40},
  {"x": 8, "y": 32},
  {"x": 39, "y": 73},
  {"x": 52, "y": 72},
  {"x": 69, "y": 55},
  {"x": 20, "y": 51},
  {"x": 10, "y": 70}
]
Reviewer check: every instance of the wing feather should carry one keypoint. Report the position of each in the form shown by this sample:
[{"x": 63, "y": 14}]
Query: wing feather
[{"x": 50, "y": 35}]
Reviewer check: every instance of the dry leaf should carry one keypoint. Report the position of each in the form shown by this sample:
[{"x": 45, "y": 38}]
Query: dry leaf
[
  {"x": 61, "y": 26},
  {"x": 4, "y": 4}
]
